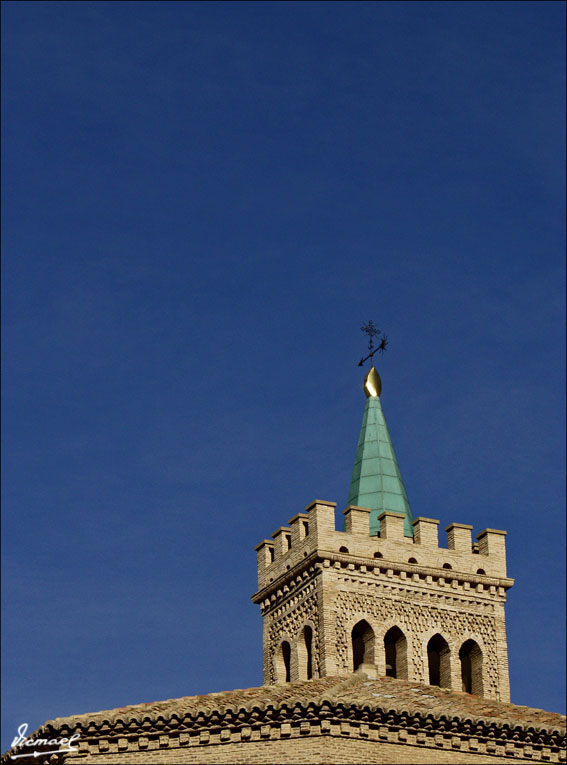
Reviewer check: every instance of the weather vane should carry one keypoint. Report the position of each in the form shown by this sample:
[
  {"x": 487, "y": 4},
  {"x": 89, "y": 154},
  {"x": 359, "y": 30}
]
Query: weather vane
[{"x": 372, "y": 331}]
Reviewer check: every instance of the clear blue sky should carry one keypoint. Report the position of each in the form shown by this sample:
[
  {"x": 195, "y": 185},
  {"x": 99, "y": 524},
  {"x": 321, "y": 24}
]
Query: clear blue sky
[{"x": 202, "y": 203}]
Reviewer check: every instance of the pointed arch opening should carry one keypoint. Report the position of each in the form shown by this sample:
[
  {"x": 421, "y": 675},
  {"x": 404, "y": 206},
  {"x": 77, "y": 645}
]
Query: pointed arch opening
[
  {"x": 362, "y": 644},
  {"x": 439, "y": 662},
  {"x": 305, "y": 653},
  {"x": 395, "y": 649},
  {"x": 283, "y": 663},
  {"x": 470, "y": 656}
]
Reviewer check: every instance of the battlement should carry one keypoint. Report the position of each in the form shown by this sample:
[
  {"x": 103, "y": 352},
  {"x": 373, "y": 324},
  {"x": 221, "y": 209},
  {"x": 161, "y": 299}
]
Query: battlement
[{"x": 313, "y": 532}]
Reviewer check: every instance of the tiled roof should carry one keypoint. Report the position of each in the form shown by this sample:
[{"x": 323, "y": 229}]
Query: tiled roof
[{"x": 386, "y": 694}]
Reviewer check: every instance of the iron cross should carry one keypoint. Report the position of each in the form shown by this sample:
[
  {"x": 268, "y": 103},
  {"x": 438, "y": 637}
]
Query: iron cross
[{"x": 372, "y": 331}]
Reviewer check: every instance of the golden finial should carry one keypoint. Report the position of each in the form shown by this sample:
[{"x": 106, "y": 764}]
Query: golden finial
[{"x": 372, "y": 383}]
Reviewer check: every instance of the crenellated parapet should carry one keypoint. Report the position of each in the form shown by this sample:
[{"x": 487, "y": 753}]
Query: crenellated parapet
[{"x": 314, "y": 532}]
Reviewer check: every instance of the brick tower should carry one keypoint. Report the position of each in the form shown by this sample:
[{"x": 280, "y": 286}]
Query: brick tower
[
  {"x": 381, "y": 596},
  {"x": 363, "y": 624}
]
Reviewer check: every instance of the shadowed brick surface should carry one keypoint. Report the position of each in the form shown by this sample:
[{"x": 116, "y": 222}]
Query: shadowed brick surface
[{"x": 329, "y": 720}]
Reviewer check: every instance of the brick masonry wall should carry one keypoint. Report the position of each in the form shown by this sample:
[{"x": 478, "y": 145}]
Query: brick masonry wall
[
  {"x": 331, "y": 580},
  {"x": 312, "y": 751},
  {"x": 491, "y": 557},
  {"x": 333, "y": 597},
  {"x": 330, "y": 720}
]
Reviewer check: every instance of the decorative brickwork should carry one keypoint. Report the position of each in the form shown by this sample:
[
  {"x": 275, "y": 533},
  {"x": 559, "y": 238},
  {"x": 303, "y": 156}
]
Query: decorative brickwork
[
  {"x": 420, "y": 622},
  {"x": 385, "y": 649},
  {"x": 329, "y": 720},
  {"x": 336, "y": 579},
  {"x": 287, "y": 622},
  {"x": 403, "y": 606}
]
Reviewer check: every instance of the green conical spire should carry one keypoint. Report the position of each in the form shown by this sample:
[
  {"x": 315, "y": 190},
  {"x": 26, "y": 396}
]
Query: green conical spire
[{"x": 376, "y": 479}]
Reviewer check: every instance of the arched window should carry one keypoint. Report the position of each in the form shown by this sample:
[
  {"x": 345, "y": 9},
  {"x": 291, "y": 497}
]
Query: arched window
[
  {"x": 308, "y": 639},
  {"x": 362, "y": 644},
  {"x": 439, "y": 662},
  {"x": 283, "y": 663},
  {"x": 480, "y": 571},
  {"x": 471, "y": 667},
  {"x": 395, "y": 648},
  {"x": 343, "y": 549},
  {"x": 378, "y": 555},
  {"x": 447, "y": 565},
  {"x": 305, "y": 653},
  {"x": 412, "y": 560}
]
